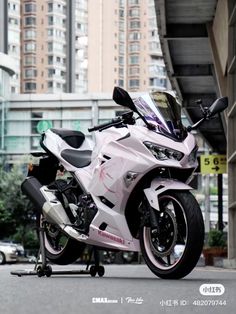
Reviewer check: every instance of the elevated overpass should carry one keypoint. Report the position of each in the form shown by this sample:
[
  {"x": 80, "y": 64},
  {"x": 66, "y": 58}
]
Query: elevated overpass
[
  {"x": 198, "y": 42},
  {"x": 185, "y": 32}
]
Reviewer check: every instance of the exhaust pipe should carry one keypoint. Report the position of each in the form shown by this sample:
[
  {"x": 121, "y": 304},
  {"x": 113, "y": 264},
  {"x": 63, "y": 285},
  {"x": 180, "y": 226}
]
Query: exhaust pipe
[
  {"x": 31, "y": 188},
  {"x": 45, "y": 201}
]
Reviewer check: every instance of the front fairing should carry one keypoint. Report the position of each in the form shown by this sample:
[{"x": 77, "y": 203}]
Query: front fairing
[
  {"x": 126, "y": 155},
  {"x": 187, "y": 146},
  {"x": 104, "y": 138}
]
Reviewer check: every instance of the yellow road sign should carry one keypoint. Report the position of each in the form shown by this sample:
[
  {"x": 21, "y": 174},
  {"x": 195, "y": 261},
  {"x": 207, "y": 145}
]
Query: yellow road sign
[{"x": 213, "y": 164}]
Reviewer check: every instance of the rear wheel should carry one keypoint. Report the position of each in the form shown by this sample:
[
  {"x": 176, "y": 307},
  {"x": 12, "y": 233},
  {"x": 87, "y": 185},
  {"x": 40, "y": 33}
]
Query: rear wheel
[
  {"x": 174, "y": 250},
  {"x": 60, "y": 249}
]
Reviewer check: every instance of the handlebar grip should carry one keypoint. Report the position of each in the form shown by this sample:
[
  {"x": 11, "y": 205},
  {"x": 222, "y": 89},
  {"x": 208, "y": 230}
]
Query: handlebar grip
[
  {"x": 95, "y": 128},
  {"x": 103, "y": 125}
]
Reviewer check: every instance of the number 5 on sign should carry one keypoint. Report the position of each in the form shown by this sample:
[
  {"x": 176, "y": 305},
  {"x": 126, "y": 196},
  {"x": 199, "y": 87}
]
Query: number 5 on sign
[{"x": 213, "y": 164}]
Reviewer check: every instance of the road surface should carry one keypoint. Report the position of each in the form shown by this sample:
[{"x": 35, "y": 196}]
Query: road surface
[{"x": 123, "y": 289}]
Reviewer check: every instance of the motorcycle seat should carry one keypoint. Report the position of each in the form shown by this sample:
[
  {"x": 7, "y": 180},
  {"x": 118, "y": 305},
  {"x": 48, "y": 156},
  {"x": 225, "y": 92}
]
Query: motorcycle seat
[
  {"x": 72, "y": 138},
  {"x": 78, "y": 159}
]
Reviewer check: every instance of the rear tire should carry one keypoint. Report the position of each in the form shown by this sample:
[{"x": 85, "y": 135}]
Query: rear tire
[
  {"x": 60, "y": 249},
  {"x": 159, "y": 252}
]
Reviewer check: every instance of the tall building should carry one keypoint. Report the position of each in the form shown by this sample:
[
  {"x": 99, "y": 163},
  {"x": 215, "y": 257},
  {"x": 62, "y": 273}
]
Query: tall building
[
  {"x": 84, "y": 46},
  {"x": 44, "y": 37},
  {"x": 14, "y": 42},
  {"x": 7, "y": 69},
  {"x": 49, "y": 54}
]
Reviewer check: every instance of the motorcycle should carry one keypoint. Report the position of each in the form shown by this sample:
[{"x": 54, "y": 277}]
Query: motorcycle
[{"x": 128, "y": 192}]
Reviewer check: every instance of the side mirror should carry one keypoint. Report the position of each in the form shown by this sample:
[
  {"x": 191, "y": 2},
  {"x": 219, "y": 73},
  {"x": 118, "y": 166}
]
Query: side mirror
[
  {"x": 218, "y": 106},
  {"x": 121, "y": 97}
]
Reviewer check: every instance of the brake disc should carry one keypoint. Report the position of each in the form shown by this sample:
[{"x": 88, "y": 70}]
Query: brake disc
[{"x": 162, "y": 245}]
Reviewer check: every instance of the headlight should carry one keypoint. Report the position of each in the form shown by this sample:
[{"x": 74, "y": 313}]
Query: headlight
[
  {"x": 11, "y": 250},
  {"x": 163, "y": 153},
  {"x": 193, "y": 155}
]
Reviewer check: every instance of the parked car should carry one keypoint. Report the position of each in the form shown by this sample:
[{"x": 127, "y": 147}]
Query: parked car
[{"x": 11, "y": 252}]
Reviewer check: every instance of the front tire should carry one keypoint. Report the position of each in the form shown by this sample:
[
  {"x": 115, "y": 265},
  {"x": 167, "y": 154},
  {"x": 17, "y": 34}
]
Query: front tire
[
  {"x": 175, "y": 250},
  {"x": 2, "y": 258}
]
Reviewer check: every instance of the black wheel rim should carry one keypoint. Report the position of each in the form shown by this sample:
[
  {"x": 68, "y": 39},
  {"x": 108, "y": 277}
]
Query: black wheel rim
[
  {"x": 166, "y": 249},
  {"x": 55, "y": 240}
]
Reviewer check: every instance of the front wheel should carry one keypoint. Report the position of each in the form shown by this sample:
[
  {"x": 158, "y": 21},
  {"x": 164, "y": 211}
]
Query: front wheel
[
  {"x": 2, "y": 258},
  {"x": 173, "y": 250}
]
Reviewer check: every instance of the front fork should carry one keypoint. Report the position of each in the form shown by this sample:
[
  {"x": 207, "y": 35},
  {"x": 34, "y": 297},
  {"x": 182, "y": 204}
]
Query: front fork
[
  {"x": 151, "y": 209},
  {"x": 152, "y": 214},
  {"x": 149, "y": 217}
]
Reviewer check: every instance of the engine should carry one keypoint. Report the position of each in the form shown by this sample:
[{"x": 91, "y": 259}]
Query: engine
[
  {"x": 80, "y": 208},
  {"x": 85, "y": 212}
]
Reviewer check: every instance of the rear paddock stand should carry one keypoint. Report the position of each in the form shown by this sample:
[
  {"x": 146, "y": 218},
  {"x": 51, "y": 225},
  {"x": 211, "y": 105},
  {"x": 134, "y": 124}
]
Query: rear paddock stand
[{"x": 44, "y": 269}]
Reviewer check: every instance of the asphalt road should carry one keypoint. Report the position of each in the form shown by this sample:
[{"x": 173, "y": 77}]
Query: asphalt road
[{"x": 123, "y": 289}]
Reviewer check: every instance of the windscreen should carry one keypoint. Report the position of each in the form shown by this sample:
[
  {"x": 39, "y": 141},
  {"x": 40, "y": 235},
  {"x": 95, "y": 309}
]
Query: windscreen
[{"x": 162, "y": 110}]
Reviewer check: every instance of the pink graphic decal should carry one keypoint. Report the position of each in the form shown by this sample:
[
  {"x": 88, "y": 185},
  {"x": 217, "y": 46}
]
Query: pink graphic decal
[
  {"x": 109, "y": 176},
  {"x": 111, "y": 237},
  {"x": 103, "y": 175}
]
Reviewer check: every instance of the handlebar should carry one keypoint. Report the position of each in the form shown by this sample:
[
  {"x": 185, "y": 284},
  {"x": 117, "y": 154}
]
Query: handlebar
[
  {"x": 105, "y": 125},
  {"x": 125, "y": 118}
]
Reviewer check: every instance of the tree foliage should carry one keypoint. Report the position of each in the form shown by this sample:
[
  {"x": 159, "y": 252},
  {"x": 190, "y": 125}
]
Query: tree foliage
[
  {"x": 216, "y": 239},
  {"x": 16, "y": 213}
]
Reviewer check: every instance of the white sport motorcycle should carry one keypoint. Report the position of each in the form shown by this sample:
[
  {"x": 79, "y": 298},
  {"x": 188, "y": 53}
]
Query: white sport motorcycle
[{"x": 127, "y": 193}]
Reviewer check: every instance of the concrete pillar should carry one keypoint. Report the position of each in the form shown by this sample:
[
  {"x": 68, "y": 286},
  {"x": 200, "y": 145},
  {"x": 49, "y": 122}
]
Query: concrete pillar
[
  {"x": 231, "y": 139},
  {"x": 70, "y": 61},
  {"x": 4, "y": 26}
]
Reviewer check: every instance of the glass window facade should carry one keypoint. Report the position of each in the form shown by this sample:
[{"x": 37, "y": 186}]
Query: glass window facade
[
  {"x": 30, "y": 20},
  {"x": 29, "y": 86},
  {"x": 30, "y": 7}
]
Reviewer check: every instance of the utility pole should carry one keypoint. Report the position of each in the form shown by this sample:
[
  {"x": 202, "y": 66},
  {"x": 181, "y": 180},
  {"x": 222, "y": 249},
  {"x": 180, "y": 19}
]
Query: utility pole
[
  {"x": 220, "y": 201},
  {"x": 207, "y": 203}
]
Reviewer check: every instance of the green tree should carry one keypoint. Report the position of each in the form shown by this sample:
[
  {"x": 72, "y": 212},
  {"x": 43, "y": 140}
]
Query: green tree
[
  {"x": 16, "y": 213},
  {"x": 216, "y": 239}
]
